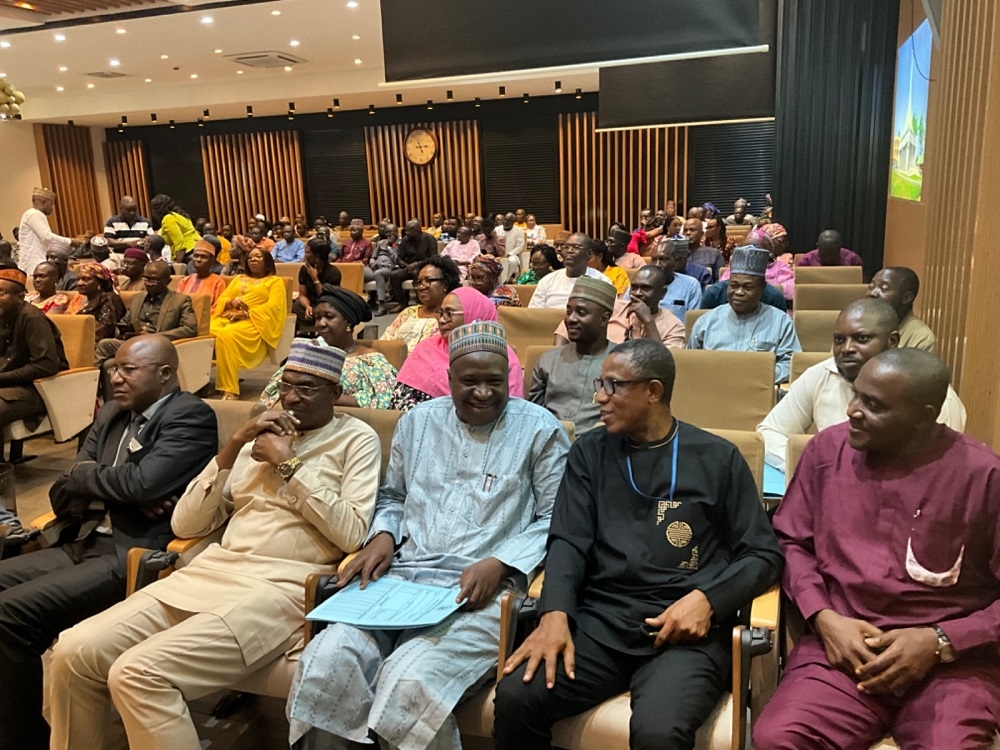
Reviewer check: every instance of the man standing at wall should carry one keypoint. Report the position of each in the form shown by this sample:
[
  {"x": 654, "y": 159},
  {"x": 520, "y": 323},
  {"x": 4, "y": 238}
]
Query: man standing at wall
[{"x": 35, "y": 235}]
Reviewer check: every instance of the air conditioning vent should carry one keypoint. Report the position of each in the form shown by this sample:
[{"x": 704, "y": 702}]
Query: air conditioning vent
[
  {"x": 266, "y": 59},
  {"x": 107, "y": 74}
]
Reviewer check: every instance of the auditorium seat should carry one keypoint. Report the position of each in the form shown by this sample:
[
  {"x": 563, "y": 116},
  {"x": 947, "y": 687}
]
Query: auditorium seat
[
  {"x": 815, "y": 329},
  {"x": 690, "y": 318},
  {"x": 828, "y": 275},
  {"x": 529, "y": 360},
  {"x": 352, "y": 276},
  {"x": 524, "y": 292},
  {"x": 200, "y": 301},
  {"x": 194, "y": 357},
  {"x": 802, "y": 361},
  {"x": 721, "y": 389},
  {"x": 393, "y": 350},
  {"x": 528, "y": 326},
  {"x": 827, "y": 296}
]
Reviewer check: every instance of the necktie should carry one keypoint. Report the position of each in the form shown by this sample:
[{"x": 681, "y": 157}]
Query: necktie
[{"x": 133, "y": 429}]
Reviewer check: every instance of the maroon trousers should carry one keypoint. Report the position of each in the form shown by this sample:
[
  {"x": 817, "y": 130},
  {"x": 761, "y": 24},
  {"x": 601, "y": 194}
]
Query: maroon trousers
[{"x": 818, "y": 707}]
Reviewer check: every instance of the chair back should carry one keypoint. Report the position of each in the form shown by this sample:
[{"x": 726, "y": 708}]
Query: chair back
[
  {"x": 290, "y": 284},
  {"x": 529, "y": 326},
  {"x": 793, "y": 452},
  {"x": 751, "y": 447},
  {"x": 690, "y": 318},
  {"x": 79, "y": 337},
  {"x": 531, "y": 356},
  {"x": 802, "y": 361},
  {"x": 395, "y": 350},
  {"x": 738, "y": 401},
  {"x": 289, "y": 270},
  {"x": 815, "y": 329},
  {"x": 175, "y": 282},
  {"x": 828, "y": 275},
  {"x": 231, "y": 415},
  {"x": 524, "y": 292},
  {"x": 352, "y": 276},
  {"x": 738, "y": 232},
  {"x": 202, "y": 304},
  {"x": 827, "y": 296},
  {"x": 127, "y": 297},
  {"x": 383, "y": 421}
]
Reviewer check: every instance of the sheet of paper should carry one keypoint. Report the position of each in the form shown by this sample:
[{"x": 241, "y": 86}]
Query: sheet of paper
[
  {"x": 388, "y": 604},
  {"x": 774, "y": 482}
]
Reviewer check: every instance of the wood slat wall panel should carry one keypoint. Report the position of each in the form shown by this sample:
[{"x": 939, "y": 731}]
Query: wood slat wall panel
[
  {"x": 451, "y": 183},
  {"x": 250, "y": 173},
  {"x": 613, "y": 175},
  {"x": 69, "y": 170},
  {"x": 127, "y": 172}
]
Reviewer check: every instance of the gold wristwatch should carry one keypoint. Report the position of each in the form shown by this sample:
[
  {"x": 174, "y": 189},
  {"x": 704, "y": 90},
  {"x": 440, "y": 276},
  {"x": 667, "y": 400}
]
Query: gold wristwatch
[
  {"x": 945, "y": 651},
  {"x": 287, "y": 469}
]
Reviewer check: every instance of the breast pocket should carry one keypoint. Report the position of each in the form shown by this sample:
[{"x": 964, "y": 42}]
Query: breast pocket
[
  {"x": 935, "y": 551},
  {"x": 493, "y": 498},
  {"x": 758, "y": 345}
]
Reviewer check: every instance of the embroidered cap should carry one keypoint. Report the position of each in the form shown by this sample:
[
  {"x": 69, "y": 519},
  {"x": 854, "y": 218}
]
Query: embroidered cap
[
  {"x": 14, "y": 274},
  {"x": 308, "y": 357},
  {"x": 481, "y": 336},
  {"x": 136, "y": 254},
  {"x": 596, "y": 291},
  {"x": 749, "y": 261},
  {"x": 42, "y": 192}
]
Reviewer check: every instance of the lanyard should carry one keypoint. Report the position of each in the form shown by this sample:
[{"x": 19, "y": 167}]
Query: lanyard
[{"x": 673, "y": 473}]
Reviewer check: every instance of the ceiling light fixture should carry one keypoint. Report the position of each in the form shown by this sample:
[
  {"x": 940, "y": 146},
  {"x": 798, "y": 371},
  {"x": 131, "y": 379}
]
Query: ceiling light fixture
[
  {"x": 152, "y": 117},
  {"x": 288, "y": 68},
  {"x": 525, "y": 99},
  {"x": 207, "y": 19},
  {"x": 114, "y": 63},
  {"x": 430, "y": 104},
  {"x": 399, "y": 98},
  {"x": 164, "y": 57},
  {"x": 124, "y": 119},
  {"x": 194, "y": 75},
  {"x": 371, "y": 109},
  {"x": 60, "y": 37},
  {"x": 291, "y": 115},
  {"x": 60, "y": 88},
  {"x": 275, "y": 12},
  {"x": 558, "y": 87},
  {"x": 336, "y": 103},
  {"x": 89, "y": 85},
  {"x": 121, "y": 31},
  {"x": 120, "y": 128},
  {"x": 355, "y": 37},
  {"x": 70, "y": 123},
  {"x": 171, "y": 124},
  {"x": 329, "y": 111},
  {"x": 5, "y": 45},
  {"x": 63, "y": 68},
  {"x": 201, "y": 123},
  {"x": 239, "y": 72},
  {"x": 503, "y": 91},
  {"x": 479, "y": 102},
  {"x": 249, "y": 110},
  {"x": 218, "y": 51},
  {"x": 450, "y": 95},
  {"x": 294, "y": 43},
  {"x": 149, "y": 80},
  {"x": 291, "y": 106},
  {"x": 579, "y": 93},
  {"x": 352, "y": 4},
  {"x": 207, "y": 114},
  {"x": 357, "y": 60}
]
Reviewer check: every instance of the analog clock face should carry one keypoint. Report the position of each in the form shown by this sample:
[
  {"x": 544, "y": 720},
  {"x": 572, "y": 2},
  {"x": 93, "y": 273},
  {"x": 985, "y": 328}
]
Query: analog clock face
[{"x": 421, "y": 146}]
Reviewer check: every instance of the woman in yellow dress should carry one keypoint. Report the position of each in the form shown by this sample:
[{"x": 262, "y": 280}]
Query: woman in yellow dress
[{"x": 248, "y": 318}]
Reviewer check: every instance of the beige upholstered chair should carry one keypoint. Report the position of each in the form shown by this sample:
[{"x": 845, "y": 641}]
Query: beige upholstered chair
[
  {"x": 828, "y": 275},
  {"x": 827, "y": 296},
  {"x": 721, "y": 389},
  {"x": 802, "y": 361},
  {"x": 815, "y": 329},
  {"x": 529, "y": 326}
]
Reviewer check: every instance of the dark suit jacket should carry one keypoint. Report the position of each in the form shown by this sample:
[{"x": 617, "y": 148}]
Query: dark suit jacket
[
  {"x": 177, "y": 442},
  {"x": 177, "y": 319},
  {"x": 33, "y": 350}
]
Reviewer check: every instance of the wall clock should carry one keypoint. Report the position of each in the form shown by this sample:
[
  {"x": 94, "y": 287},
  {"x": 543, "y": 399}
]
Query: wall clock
[{"x": 420, "y": 147}]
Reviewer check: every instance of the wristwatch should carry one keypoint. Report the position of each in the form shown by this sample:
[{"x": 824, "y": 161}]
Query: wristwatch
[
  {"x": 945, "y": 651},
  {"x": 286, "y": 469}
]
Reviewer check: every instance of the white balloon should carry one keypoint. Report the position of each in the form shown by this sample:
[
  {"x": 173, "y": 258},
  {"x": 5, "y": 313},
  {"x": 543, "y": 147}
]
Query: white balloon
[
  {"x": 15, "y": 109},
  {"x": 4, "y": 108},
  {"x": 19, "y": 97}
]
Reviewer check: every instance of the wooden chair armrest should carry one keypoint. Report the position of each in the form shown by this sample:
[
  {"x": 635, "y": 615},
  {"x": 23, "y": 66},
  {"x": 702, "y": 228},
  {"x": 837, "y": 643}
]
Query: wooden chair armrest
[
  {"x": 507, "y": 625},
  {"x": 64, "y": 373},
  {"x": 535, "y": 586},
  {"x": 133, "y": 560},
  {"x": 346, "y": 560},
  {"x": 180, "y": 546},
  {"x": 40, "y": 522},
  {"x": 764, "y": 610}
]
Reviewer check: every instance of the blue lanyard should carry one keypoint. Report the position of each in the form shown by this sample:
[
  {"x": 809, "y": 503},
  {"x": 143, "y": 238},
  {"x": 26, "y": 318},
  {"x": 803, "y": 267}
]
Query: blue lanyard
[{"x": 673, "y": 473}]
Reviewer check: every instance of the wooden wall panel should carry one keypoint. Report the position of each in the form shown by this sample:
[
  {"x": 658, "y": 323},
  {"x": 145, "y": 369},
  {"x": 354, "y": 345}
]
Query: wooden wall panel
[
  {"x": 613, "y": 175},
  {"x": 66, "y": 164},
  {"x": 251, "y": 173},
  {"x": 127, "y": 172},
  {"x": 451, "y": 183}
]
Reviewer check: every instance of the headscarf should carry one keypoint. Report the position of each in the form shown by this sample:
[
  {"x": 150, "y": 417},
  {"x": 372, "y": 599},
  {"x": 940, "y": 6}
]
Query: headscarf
[
  {"x": 488, "y": 264},
  {"x": 351, "y": 306},
  {"x": 711, "y": 207},
  {"x": 101, "y": 273},
  {"x": 426, "y": 368},
  {"x": 244, "y": 243},
  {"x": 773, "y": 230}
]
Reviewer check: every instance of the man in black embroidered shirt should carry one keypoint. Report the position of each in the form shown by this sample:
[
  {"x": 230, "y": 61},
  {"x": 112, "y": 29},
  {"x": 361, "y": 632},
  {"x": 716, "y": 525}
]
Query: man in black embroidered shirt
[{"x": 658, "y": 537}]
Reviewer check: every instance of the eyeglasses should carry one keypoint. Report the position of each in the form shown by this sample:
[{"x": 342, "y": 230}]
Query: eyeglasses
[
  {"x": 610, "y": 384},
  {"x": 427, "y": 282},
  {"x": 573, "y": 246},
  {"x": 127, "y": 371},
  {"x": 302, "y": 391}
]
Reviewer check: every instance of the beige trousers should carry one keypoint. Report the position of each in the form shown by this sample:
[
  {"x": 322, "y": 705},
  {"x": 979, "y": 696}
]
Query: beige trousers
[{"x": 149, "y": 660}]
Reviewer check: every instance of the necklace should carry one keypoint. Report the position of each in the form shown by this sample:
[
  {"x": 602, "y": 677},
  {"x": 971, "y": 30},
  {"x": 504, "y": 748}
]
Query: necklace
[
  {"x": 667, "y": 439},
  {"x": 673, "y": 467}
]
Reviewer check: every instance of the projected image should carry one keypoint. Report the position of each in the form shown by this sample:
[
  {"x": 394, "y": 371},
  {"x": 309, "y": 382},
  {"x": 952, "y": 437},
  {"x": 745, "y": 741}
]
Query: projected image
[{"x": 913, "y": 67}]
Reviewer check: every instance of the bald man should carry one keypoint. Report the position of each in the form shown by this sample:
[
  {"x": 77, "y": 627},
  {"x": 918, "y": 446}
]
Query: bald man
[
  {"x": 830, "y": 251},
  {"x": 889, "y": 530},
  {"x": 126, "y": 228},
  {"x": 143, "y": 449},
  {"x": 819, "y": 397},
  {"x": 899, "y": 287}
]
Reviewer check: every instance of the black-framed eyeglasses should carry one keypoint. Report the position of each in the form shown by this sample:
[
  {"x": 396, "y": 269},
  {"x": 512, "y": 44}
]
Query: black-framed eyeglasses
[
  {"x": 127, "y": 371},
  {"x": 303, "y": 391},
  {"x": 427, "y": 282},
  {"x": 573, "y": 246},
  {"x": 609, "y": 384}
]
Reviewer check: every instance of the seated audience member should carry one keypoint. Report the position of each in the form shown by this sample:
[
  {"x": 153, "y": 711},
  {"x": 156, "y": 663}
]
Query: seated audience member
[
  {"x": 449, "y": 229},
  {"x": 133, "y": 263},
  {"x": 434, "y": 230},
  {"x": 424, "y": 374},
  {"x": 484, "y": 276},
  {"x": 156, "y": 249},
  {"x": 777, "y": 274},
  {"x": 225, "y": 241},
  {"x": 247, "y": 320},
  {"x": 405, "y": 684},
  {"x": 618, "y": 243},
  {"x": 415, "y": 247},
  {"x": 490, "y": 242},
  {"x": 601, "y": 259},
  {"x": 554, "y": 289},
  {"x": 156, "y": 310},
  {"x": 46, "y": 297},
  {"x": 203, "y": 280},
  {"x": 258, "y": 235},
  {"x": 779, "y": 242},
  {"x": 542, "y": 262},
  {"x": 830, "y": 251},
  {"x": 216, "y": 247},
  {"x": 242, "y": 245},
  {"x": 289, "y": 249},
  {"x": 739, "y": 216},
  {"x": 101, "y": 252},
  {"x": 899, "y": 287},
  {"x": 343, "y": 222},
  {"x": 462, "y": 250},
  {"x": 710, "y": 211},
  {"x": 515, "y": 243},
  {"x": 59, "y": 257},
  {"x": 316, "y": 272},
  {"x": 297, "y": 488},
  {"x": 139, "y": 455},
  {"x": 680, "y": 248},
  {"x": 889, "y": 533},
  {"x": 380, "y": 265},
  {"x": 746, "y": 325},
  {"x": 716, "y": 237},
  {"x": 367, "y": 379},
  {"x": 356, "y": 248},
  {"x": 96, "y": 297},
  {"x": 563, "y": 378},
  {"x": 819, "y": 397},
  {"x": 174, "y": 226},
  {"x": 520, "y": 219},
  {"x": 641, "y": 316},
  {"x": 534, "y": 233},
  {"x": 700, "y": 254},
  {"x": 624, "y": 609},
  {"x": 436, "y": 277},
  {"x": 716, "y": 295},
  {"x": 683, "y": 292},
  {"x": 126, "y": 228}
]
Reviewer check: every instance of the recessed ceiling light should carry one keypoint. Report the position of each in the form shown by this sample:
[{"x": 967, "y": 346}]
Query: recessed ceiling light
[
  {"x": 218, "y": 51},
  {"x": 5, "y": 45},
  {"x": 355, "y": 37},
  {"x": 60, "y": 37},
  {"x": 239, "y": 72},
  {"x": 194, "y": 75},
  {"x": 149, "y": 80},
  {"x": 352, "y": 4},
  {"x": 114, "y": 63},
  {"x": 90, "y": 85},
  {"x": 288, "y": 68},
  {"x": 63, "y": 68},
  {"x": 207, "y": 19},
  {"x": 121, "y": 31},
  {"x": 275, "y": 12},
  {"x": 164, "y": 57},
  {"x": 60, "y": 88},
  {"x": 357, "y": 60},
  {"x": 294, "y": 43}
]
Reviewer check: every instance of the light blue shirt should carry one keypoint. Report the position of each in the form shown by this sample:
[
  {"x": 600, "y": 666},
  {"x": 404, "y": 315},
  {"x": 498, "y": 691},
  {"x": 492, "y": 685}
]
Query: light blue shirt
[
  {"x": 289, "y": 253},
  {"x": 767, "y": 330}
]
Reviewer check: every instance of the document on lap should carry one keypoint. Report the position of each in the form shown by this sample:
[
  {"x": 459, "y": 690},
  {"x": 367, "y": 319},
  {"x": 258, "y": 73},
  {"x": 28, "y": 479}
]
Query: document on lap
[
  {"x": 774, "y": 482},
  {"x": 388, "y": 604}
]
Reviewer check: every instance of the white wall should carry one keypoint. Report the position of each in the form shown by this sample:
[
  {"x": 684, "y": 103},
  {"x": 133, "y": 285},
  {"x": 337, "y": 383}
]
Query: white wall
[{"x": 20, "y": 173}]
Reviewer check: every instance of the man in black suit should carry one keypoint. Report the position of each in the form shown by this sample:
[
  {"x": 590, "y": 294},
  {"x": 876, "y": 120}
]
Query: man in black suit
[{"x": 144, "y": 448}]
